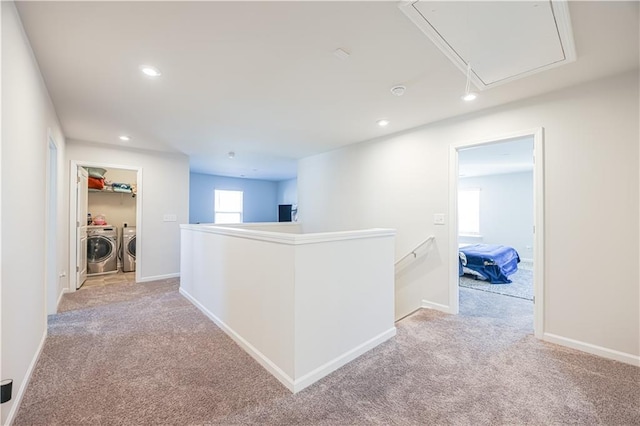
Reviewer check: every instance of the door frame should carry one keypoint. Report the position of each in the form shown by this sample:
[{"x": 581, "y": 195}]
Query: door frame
[
  {"x": 73, "y": 184},
  {"x": 538, "y": 220},
  {"x": 52, "y": 216}
]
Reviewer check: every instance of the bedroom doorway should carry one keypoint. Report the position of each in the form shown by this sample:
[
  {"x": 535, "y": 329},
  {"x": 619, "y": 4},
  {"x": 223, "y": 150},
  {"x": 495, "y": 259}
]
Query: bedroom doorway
[{"x": 496, "y": 209}]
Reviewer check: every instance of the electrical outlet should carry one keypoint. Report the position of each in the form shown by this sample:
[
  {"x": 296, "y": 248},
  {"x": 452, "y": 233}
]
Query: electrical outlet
[{"x": 438, "y": 219}]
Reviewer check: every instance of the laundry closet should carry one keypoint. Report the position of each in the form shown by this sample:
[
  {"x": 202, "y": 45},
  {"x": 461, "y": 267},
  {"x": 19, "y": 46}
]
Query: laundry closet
[{"x": 110, "y": 221}]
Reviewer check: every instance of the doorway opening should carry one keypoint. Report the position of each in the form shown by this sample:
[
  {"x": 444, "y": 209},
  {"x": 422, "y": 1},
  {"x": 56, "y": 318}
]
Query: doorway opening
[
  {"x": 106, "y": 211},
  {"x": 496, "y": 216}
]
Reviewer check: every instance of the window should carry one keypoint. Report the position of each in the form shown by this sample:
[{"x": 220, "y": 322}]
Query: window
[
  {"x": 227, "y": 206},
  {"x": 469, "y": 211}
]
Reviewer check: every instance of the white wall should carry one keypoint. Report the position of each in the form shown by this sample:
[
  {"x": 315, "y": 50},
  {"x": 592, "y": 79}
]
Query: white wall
[
  {"x": 27, "y": 116},
  {"x": 164, "y": 189},
  {"x": 298, "y": 310},
  {"x": 288, "y": 191},
  {"x": 506, "y": 210},
  {"x": 591, "y": 202}
]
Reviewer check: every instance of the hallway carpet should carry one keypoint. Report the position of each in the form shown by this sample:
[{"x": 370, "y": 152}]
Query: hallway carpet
[{"x": 140, "y": 354}]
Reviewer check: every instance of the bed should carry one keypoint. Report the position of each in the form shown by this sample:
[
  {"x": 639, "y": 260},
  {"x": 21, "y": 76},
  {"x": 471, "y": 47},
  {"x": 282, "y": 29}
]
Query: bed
[{"x": 493, "y": 263}]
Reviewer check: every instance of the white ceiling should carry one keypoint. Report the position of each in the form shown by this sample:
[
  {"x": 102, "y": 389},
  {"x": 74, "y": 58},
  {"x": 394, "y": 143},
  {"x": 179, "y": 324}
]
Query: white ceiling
[
  {"x": 261, "y": 79},
  {"x": 511, "y": 156}
]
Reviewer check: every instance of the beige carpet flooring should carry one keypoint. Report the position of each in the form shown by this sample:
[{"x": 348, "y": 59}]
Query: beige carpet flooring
[{"x": 140, "y": 354}]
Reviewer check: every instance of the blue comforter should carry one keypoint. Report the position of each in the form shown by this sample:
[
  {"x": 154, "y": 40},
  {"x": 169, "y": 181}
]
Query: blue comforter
[{"x": 493, "y": 262}]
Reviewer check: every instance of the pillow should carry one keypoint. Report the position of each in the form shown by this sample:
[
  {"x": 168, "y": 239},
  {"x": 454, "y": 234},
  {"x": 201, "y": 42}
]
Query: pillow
[{"x": 96, "y": 172}]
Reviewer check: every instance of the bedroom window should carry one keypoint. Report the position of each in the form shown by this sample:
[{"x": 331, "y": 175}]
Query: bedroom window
[
  {"x": 469, "y": 211},
  {"x": 227, "y": 206}
]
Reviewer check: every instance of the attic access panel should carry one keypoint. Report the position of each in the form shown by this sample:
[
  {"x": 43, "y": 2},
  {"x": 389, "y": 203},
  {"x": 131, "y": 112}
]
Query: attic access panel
[{"x": 503, "y": 40}]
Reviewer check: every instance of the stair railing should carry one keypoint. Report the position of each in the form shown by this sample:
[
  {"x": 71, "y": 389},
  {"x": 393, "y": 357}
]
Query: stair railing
[{"x": 415, "y": 249}]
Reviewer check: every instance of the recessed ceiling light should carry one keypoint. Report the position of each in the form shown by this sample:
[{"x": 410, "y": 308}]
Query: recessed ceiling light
[
  {"x": 231, "y": 154},
  {"x": 469, "y": 96},
  {"x": 150, "y": 71},
  {"x": 125, "y": 138},
  {"x": 382, "y": 123}
]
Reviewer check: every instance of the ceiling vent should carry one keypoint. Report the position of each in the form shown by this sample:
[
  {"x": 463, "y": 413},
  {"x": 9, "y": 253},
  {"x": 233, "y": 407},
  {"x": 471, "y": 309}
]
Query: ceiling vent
[{"x": 503, "y": 40}]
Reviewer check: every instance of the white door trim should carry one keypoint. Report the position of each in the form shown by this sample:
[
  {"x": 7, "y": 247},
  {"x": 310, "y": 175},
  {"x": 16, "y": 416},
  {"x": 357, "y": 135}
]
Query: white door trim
[
  {"x": 51, "y": 225},
  {"x": 538, "y": 220},
  {"x": 72, "y": 214}
]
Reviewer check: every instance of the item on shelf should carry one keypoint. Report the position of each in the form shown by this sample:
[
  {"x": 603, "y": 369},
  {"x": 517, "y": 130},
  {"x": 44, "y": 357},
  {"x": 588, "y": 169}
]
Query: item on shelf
[
  {"x": 96, "y": 183},
  {"x": 100, "y": 220},
  {"x": 96, "y": 172},
  {"x": 121, "y": 187},
  {"x": 89, "y": 219}
]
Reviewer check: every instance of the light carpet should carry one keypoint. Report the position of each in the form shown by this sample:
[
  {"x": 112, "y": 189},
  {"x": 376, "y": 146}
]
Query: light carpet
[{"x": 140, "y": 354}]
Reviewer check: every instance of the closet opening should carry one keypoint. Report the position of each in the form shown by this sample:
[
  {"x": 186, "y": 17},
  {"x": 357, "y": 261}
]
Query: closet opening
[{"x": 106, "y": 226}]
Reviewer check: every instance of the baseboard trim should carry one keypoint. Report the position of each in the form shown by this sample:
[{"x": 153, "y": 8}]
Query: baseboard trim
[
  {"x": 437, "y": 306},
  {"x": 158, "y": 277},
  {"x": 62, "y": 293},
  {"x": 27, "y": 378},
  {"x": 592, "y": 349},
  {"x": 265, "y": 362},
  {"x": 331, "y": 366}
]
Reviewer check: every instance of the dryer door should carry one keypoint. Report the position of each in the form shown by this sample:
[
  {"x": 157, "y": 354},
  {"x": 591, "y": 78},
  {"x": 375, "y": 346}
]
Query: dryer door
[
  {"x": 131, "y": 247},
  {"x": 99, "y": 248}
]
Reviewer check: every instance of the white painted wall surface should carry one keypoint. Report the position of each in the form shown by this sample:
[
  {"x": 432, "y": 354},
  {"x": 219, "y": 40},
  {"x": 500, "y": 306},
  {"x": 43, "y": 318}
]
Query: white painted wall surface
[
  {"x": 506, "y": 210},
  {"x": 288, "y": 191},
  {"x": 342, "y": 298},
  {"x": 27, "y": 114},
  {"x": 249, "y": 285},
  {"x": 164, "y": 190},
  {"x": 301, "y": 304},
  {"x": 592, "y": 289}
]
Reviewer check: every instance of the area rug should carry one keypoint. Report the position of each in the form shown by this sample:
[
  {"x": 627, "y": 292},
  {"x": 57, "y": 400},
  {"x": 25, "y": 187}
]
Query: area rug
[{"x": 521, "y": 287}]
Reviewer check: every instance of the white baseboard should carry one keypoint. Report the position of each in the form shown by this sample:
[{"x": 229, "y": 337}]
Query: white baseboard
[
  {"x": 437, "y": 306},
  {"x": 334, "y": 364},
  {"x": 62, "y": 293},
  {"x": 265, "y": 362},
  {"x": 158, "y": 277},
  {"x": 593, "y": 349},
  {"x": 27, "y": 377}
]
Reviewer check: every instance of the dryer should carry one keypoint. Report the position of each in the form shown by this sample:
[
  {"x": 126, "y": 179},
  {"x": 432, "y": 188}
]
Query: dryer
[
  {"x": 129, "y": 249},
  {"x": 102, "y": 250}
]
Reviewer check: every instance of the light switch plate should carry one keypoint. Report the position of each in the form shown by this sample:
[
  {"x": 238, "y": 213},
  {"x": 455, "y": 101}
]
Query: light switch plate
[
  {"x": 170, "y": 218},
  {"x": 438, "y": 219}
]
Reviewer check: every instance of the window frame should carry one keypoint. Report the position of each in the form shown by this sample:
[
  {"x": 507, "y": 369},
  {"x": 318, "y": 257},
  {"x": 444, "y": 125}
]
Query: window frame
[
  {"x": 217, "y": 193},
  {"x": 472, "y": 231}
]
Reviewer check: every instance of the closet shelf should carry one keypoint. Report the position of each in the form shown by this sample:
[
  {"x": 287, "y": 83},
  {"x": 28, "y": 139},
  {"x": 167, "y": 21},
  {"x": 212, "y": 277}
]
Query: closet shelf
[{"x": 109, "y": 191}]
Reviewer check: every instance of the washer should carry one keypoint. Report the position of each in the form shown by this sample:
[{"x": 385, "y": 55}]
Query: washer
[
  {"x": 129, "y": 249},
  {"x": 102, "y": 250}
]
